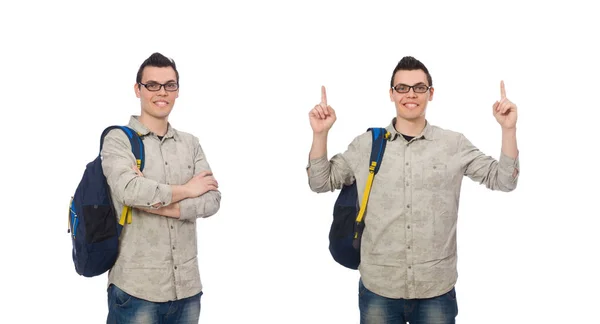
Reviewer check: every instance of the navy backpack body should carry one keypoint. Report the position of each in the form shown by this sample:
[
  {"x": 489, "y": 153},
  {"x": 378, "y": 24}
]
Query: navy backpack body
[
  {"x": 348, "y": 217},
  {"x": 92, "y": 218}
]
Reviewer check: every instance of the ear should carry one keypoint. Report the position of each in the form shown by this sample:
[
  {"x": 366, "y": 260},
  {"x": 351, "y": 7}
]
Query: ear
[
  {"x": 391, "y": 95},
  {"x": 136, "y": 88},
  {"x": 431, "y": 93}
]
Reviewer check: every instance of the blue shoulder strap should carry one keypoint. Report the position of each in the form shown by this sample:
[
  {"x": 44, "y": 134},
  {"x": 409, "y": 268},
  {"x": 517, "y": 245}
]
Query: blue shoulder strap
[
  {"x": 137, "y": 145},
  {"x": 380, "y": 137}
]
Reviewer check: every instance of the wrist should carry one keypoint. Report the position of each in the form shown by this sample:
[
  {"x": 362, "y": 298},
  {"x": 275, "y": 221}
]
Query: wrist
[
  {"x": 509, "y": 130},
  {"x": 187, "y": 191},
  {"x": 180, "y": 192},
  {"x": 319, "y": 136}
]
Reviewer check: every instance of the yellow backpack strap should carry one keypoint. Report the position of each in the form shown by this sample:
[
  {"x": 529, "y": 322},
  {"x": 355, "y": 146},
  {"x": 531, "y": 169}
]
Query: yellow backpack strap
[
  {"x": 380, "y": 137},
  {"x": 363, "y": 203},
  {"x": 126, "y": 215}
]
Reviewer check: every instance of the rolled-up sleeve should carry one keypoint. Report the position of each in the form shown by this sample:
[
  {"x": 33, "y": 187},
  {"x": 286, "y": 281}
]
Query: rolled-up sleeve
[
  {"x": 328, "y": 175},
  {"x": 206, "y": 204},
  {"x": 501, "y": 174},
  {"x": 127, "y": 187}
]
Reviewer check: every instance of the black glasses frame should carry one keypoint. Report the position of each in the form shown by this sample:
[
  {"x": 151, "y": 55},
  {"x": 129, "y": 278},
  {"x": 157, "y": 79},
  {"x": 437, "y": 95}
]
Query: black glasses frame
[
  {"x": 411, "y": 87},
  {"x": 160, "y": 85}
]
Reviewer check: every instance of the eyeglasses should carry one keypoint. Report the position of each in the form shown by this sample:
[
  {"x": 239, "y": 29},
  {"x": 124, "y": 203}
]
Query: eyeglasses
[
  {"x": 153, "y": 86},
  {"x": 403, "y": 88}
]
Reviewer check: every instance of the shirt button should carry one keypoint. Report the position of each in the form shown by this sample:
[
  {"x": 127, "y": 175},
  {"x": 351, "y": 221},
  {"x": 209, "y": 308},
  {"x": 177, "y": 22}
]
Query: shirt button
[
  {"x": 407, "y": 184},
  {"x": 408, "y": 226},
  {"x": 408, "y": 206},
  {"x": 406, "y": 163},
  {"x": 171, "y": 226},
  {"x": 408, "y": 247},
  {"x": 148, "y": 204},
  {"x": 175, "y": 267},
  {"x": 409, "y": 267},
  {"x": 166, "y": 163},
  {"x": 173, "y": 247},
  {"x": 189, "y": 166}
]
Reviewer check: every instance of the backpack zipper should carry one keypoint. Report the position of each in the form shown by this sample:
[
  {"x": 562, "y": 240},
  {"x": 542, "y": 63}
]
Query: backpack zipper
[{"x": 73, "y": 219}]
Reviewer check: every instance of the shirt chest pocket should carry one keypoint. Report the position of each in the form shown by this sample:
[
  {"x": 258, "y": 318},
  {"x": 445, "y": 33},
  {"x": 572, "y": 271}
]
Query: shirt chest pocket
[
  {"x": 187, "y": 172},
  {"x": 184, "y": 162},
  {"x": 432, "y": 176}
]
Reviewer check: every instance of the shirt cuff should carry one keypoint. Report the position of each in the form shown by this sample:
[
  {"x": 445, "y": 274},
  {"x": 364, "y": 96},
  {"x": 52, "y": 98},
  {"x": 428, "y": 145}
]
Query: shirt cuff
[
  {"x": 509, "y": 165},
  {"x": 164, "y": 196},
  {"x": 317, "y": 163},
  {"x": 187, "y": 209}
]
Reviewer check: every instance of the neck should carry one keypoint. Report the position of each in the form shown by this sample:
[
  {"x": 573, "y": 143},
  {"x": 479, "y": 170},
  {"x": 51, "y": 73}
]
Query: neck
[
  {"x": 410, "y": 127},
  {"x": 156, "y": 125}
]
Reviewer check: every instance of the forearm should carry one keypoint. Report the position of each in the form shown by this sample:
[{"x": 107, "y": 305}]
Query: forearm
[
  {"x": 203, "y": 206},
  {"x": 319, "y": 146},
  {"x": 172, "y": 210},
  {"x": 509, "y": 142}
]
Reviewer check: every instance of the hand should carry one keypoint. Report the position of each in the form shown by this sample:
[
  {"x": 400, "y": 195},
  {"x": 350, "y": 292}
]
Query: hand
[
  {"x": 505, "y": 111},
  {"x": 135, "y": 168},
  {"x": 201, "y": 183},
  {"x": 322, "y": 116}
]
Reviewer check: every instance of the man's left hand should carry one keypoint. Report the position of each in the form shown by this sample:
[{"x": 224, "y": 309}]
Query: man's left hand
[{"x": 505, "y": 110}]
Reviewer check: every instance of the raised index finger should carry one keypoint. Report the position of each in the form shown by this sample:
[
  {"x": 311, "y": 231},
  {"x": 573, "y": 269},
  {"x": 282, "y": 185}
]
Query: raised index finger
[
  {"x": 502, "y": 90},
  {"x": 323, "y": 97}
]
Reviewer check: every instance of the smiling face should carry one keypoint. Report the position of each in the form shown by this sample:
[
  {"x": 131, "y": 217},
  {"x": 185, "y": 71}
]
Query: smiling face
[
  {"x": 411, "y": 106},
  {"x": 157, "y": 104}
]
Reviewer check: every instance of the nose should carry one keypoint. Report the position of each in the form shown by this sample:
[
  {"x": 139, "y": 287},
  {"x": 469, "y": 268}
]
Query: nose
[{"x": 411, "y": 93}]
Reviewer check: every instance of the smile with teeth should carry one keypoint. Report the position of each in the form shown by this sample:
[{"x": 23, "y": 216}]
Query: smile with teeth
[
  {"x": 161, "y": 103},
  {"x": 411, "y": 105}
]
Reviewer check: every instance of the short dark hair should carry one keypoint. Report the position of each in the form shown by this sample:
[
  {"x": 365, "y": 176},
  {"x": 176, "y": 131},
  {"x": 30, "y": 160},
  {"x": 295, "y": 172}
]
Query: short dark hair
[
  {"x": 156, "y": 60},
  {"x": 409, "y": 63}
]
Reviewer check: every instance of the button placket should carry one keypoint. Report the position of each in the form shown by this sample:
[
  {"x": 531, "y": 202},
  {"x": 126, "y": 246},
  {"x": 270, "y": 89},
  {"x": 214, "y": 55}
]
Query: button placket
[{"x": 408, "y": 213}]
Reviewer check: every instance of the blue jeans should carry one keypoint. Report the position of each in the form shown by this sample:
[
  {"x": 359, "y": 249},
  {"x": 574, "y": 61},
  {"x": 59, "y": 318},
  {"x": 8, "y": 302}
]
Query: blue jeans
[
  {"x": 375, "y": 309},
  {"x": 125, "y": 309}
]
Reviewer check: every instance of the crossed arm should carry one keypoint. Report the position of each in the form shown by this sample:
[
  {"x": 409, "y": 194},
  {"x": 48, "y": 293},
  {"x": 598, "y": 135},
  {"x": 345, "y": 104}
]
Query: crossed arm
[
  {"x": 199, "y": 197},
  {"x": 196, "y": 187}
]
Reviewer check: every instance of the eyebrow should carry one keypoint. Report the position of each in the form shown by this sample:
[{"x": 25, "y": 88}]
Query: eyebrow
[
  {"x": 416, "y": 84},
  {"x": 152, "y": 81}
]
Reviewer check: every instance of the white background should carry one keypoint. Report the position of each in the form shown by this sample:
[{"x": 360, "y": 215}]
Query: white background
[{"x": 250, "y": 72}]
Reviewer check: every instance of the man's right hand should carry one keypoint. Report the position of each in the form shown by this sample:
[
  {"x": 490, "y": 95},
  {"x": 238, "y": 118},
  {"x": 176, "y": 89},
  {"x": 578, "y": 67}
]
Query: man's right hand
[
  {"x": 322, "y": 116},
  {"x": 201, "y": 183}
]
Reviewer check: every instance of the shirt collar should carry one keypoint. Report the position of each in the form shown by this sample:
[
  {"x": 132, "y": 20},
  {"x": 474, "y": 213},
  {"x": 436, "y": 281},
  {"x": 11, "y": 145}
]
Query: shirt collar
[
  {"x": 136, "y": 125},
  {"x": 426, "y": 134}
]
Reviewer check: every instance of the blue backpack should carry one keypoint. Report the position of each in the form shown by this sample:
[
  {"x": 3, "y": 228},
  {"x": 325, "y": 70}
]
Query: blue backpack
[
  {"x": 92, "y": 218},
  {"x": 348, "y": 218}
]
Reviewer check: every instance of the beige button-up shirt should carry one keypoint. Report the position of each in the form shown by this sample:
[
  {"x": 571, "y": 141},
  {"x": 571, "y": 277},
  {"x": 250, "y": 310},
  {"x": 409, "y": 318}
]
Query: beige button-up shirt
[
  {"x": 157, "y": 255},
  {"x": 409, "y": 242}
]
